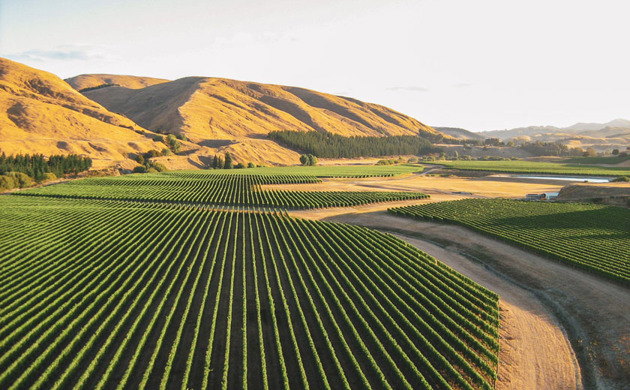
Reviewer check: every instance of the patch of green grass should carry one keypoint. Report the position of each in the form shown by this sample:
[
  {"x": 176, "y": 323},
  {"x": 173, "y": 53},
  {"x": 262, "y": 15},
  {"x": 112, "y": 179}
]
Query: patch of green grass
[
  {"x": 597, "y": 160},
  {"x": 520, "y": 166},
  {"x": 323, "y": 170}
]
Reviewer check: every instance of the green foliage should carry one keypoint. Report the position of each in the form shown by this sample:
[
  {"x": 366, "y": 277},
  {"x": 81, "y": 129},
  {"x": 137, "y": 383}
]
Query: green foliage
[
  {"x": 308, "y": 160},
  {"x": 173, "y": 143},
  {"x": 122, "y": 294},
  {"x": 239, "y": 166},
  {"x": 621, "y": 157},
  {"x": 521, "y": 166},
  {"x": 182, "y": 137},
  {"x": 158, "y": 138},
  {"x": 166, "y": 152},
  {"x": 621, "y": 179},
  {"x": 22, "y": 180},
  {"x": 48, "y": 176},
  {"x": 140, "y": 159},
  {"x": 228, "y": 164},
  {"x": 36, "y": 165},
  {"x": 7, "y": 182},
  {"x": 140, "y": 169},
  {"x": 217, "y": 187},
  {"x": 327, "y": 145},
  {"x": 592, "y": 237},
  {"x": 251, "y": 165}
]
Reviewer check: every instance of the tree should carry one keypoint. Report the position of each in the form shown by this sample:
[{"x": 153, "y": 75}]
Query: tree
[
  {"x": 251, "y": 165},
  {"x": 215, "y": 162},
  {"x": 304, "y": 159},
  {"x": 590, "y": 152},
  {"x": 228, "y": 161},
  {"x": 615, "y": 152},
  {"x": 312, "y": 160}
]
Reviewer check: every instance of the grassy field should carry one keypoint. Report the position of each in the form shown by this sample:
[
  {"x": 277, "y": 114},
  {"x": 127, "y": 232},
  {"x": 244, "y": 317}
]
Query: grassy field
[
  {"x": 519, "y": 166},
  {"x": 118, "y": 294},
  {"x": 327, "y": 170},
  {"x": 215, "y": 188},
  {"x": 596, "y": 238},
  {"x": 597, "y": 160}
]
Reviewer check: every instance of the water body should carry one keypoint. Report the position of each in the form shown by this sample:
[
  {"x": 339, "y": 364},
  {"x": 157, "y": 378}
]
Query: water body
[{"x": 590, "y": 179}]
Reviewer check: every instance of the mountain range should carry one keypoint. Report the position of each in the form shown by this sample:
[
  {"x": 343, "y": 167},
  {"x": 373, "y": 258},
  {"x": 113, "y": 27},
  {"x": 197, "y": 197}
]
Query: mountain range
[
  {"x": 112, "y": 117},
  {"x": 614, "y": 128}
]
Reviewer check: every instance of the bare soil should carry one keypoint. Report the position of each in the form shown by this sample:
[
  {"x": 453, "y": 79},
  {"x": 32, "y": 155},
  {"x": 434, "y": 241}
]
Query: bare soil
[{"x": 562, "y": 328}]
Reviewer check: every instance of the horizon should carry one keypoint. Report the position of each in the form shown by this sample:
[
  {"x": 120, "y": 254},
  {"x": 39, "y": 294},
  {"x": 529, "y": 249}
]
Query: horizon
[{"x": 521, "y": 65}]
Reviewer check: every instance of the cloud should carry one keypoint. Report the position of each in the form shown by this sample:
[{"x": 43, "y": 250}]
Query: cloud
[
  {"x": 462, "y": 85},
  {"x": 410, "y": 88},
  {"x": 63, "y": 53}
]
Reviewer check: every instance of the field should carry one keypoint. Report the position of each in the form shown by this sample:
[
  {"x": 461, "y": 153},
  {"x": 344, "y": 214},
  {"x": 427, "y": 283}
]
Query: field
[
  {"x": 536, "y": 167},
  {"x": 219, "y": 188},
  {"x": 596, "y": 238},
  {"x": 333, "y": 170},
  {"x": 122, "y": 294}
]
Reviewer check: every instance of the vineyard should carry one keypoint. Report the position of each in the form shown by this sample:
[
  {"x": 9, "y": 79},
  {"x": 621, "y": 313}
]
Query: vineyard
[
  {"x": 537, "y": 167},
  {"x": 102, "y": 294},
  {"x": 216, "y": 188},
  {"x": 596, "y": 238}
]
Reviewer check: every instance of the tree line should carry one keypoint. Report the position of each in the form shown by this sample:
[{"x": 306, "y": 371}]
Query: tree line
[
  {"x": 37, "y": 165},
  {"x": 326, "y": 145},
  {"x": 22, "y": 170}
]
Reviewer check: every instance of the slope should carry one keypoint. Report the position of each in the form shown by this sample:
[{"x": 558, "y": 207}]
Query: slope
[
  {"x": 40, "y": 113},
  {"x": 86, "y": 81},
  {"x": 459, "y": 133},
  {"x": 213, "y": 108}
]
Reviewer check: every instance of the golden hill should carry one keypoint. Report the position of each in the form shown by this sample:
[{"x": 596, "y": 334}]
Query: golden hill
[
  {"x": 86, "y": 81},
  {"x": 213, "y": 108},
  {"x": 40, "y": 113}
]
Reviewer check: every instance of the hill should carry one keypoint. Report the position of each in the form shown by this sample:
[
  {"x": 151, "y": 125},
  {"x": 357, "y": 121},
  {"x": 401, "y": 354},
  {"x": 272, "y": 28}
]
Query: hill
[
  {"x": 603, "y": 137},
  {"x": 215, "y": 108},
  {"x": 40, "y": 113},
  {"x": 221, "y": 115},
  {"x": 87, "y": 81},
  {"x": 459, "y": 133}
]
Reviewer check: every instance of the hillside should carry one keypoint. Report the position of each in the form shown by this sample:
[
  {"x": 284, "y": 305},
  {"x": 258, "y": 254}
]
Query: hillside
[
  {"x": 603, "y": 137},
  {"x": 214, "y": 108},
  {"x": 221, "y": 115},
  {"x": 86, "y": 81},
  {"x": 459, "y": 133},
  {"x": 40, "y": 113}
]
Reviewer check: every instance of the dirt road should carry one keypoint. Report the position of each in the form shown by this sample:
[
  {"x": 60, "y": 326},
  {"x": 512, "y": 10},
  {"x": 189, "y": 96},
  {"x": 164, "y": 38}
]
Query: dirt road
[{"x": 547, "y": 307}]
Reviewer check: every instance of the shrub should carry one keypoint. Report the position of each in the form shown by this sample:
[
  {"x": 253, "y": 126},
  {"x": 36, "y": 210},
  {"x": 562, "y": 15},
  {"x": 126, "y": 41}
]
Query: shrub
[
  {"x": 251, "y": 165},
  {"x": 308, "y": 160},
  {"x": 7, "y": 183},
  {"x": 140, "y": 169},
  {"x": 49, "y": 176},
  {"x": 22, "y": 180},
  {"x": 158, "y": 167},
  {"x": 240, "y": 166},
  {"x": 621, "y": 179},
  {"x": 158, "y": 138}
]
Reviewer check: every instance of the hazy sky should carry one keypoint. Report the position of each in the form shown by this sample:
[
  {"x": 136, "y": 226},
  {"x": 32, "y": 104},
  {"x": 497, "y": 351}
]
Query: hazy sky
[{"x": 480, "y": 65}]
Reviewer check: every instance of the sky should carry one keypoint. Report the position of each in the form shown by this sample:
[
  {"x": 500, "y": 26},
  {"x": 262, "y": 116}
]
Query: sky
[{"x": 478, "y": 65}]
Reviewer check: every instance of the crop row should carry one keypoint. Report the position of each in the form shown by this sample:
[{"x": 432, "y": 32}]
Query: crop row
[
  {"x": 216, "y": 189},
  {"x": 596, "y": 238},
  {"x": 102, "y": 294}
]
